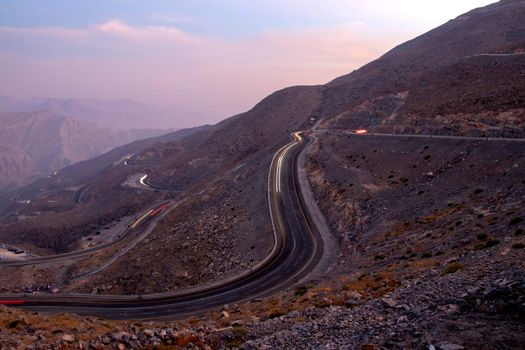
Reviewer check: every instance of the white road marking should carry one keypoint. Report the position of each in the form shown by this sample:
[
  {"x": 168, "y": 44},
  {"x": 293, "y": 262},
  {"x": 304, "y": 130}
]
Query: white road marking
[{"x": 142, "y": 180}]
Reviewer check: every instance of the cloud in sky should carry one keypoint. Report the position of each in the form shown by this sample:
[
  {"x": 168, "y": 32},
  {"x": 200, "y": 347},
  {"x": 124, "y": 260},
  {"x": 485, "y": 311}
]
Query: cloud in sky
[{"x": 147, "y": 34}]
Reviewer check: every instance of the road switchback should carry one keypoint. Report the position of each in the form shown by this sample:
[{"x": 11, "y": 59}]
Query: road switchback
[{"x": 298, "y": 248}]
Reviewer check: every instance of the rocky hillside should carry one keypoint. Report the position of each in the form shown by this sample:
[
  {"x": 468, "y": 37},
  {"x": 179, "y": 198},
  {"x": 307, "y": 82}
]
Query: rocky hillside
[
  {"x": 431, "y": 230},
  {"x": 250, "y": 135},
  {"x": 468, "y": 309},
  {"x": 222, "y": 170},
  {"x": 34, "y": 145},
  {"x": 441, "y": 82},
  {"x": 74, "y": 202},
  {"x": 452, "y": 80},
  {"x": 462, "y": 77}
]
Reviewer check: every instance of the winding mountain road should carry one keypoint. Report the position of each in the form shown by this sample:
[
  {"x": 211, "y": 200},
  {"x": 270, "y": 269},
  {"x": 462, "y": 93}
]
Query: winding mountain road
[
  {"x": 298, "y": 248},
  {"x": 75, "y": 255}
]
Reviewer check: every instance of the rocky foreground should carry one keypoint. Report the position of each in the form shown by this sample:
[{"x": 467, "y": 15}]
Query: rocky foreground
[{"x": 476, "y": 302}]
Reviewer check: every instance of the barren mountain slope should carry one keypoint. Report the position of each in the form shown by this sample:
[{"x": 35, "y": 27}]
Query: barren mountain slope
[
  {"x": 234, "y": 140},
  {"x": 397, "y": 201},
  {"x": 117, "y": 114},
  {"x": 41, "y": 142},
  {"x": 380, "y": 94},
  {"x": 223, "y": 171},
  {"x": 443, "y": 75},
  {"x": 223, "y": 227},
  {"x": 75, "y": 201},
  {"x": 14, "y": 164}
]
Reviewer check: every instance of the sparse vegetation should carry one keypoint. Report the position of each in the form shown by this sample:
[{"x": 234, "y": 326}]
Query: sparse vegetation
[
  {"x": 300, "y": 291},
  {"x": 482, "y": 236},
  {"x": 452, "y": 267},
  {"x": 239, "y": 331},
  {"x": 488, "y": 244},
  {"x": 375, "y": 284},
  {"x": 16, "y": 323},
  {"x": 276, "y": 314},
  {"x": 322, "y": 304},
  {"x": 492, "y": 242},
  {"x": 237, "y": 343},
  {"x": 519, "y": 245}
]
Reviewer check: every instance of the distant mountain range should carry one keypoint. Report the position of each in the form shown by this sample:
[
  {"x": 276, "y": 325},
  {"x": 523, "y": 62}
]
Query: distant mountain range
[
  {"x": 116, "y": 114},
  {"x": 35, "y": 144}
]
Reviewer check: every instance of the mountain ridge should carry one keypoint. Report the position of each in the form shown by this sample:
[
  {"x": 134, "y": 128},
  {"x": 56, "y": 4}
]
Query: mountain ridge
[
  {"x": 119, "y": 114},
  {"x": 35, "y": 144}
]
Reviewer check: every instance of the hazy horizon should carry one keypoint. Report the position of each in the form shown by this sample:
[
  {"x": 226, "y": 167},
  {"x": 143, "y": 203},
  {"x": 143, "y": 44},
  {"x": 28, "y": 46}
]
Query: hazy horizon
[{"x": 201, "y": 62}]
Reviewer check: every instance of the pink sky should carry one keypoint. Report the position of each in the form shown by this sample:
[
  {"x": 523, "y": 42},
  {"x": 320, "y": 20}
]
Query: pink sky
[
  {"x": 208, "y": 77},
  {"x": 203, "y": 78}
]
